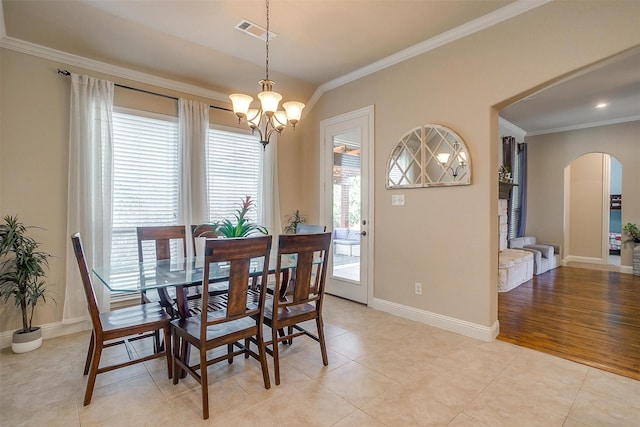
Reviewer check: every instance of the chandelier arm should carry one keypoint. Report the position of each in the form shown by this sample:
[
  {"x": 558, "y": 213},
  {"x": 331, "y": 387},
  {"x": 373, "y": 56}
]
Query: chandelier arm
[
  {"x": 270, "y": 132},
  {"x": 275, "y": 117},
  {"x": 257, "y": 128}
]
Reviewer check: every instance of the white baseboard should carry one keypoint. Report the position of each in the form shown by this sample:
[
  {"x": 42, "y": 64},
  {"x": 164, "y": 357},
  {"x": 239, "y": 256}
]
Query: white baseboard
[
  {"x": 52, "y": 330},
  {"x": 626, "y": 269},
  {"x": 452, "y": 324},
  {"x": 588, "y": 260}
]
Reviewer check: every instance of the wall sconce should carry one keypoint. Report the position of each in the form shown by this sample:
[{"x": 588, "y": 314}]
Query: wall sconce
[{"x": 443, "y": 158}]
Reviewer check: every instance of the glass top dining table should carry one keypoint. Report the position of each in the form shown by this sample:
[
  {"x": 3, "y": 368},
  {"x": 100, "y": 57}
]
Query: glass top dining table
[{"x": 155, "y": 274}]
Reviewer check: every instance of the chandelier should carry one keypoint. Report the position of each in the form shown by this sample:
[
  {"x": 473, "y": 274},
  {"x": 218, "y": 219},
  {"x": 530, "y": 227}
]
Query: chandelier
[{"x": 267, "y": 118}]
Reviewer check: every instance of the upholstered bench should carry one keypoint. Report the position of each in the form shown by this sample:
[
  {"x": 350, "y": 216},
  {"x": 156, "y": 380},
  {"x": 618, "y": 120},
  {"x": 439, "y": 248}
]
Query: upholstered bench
[
  {"x": 545, "y": 256},
  {"x": 514, "y": 268}
]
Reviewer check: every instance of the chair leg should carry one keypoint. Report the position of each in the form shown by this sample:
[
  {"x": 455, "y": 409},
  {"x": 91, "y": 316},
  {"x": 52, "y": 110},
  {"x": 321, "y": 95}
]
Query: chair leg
[
  {"x": 94, "y": 373},
  {"x": 229, "y": 351},
  {"x": 323, "y": 345},
  {"x": 290, "y": 332},
  {"x": 204, "y": 383},
  {"x": 281, "y": 333},
  {"x": 247, "y": 346},
  {"x": 263, "y": 358},
  {"x": 185, "y": 354},
  {"x": 276, "y": 361},
  {"x": 157, "y": 345},
  {"x": 167, "y": 350},
  {"x": 87, "y": 363},
  {"x": 177, "y": 344}
]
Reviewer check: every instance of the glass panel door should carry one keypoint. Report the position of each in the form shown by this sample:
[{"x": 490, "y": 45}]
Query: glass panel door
[{"x": 347, "y": 199}]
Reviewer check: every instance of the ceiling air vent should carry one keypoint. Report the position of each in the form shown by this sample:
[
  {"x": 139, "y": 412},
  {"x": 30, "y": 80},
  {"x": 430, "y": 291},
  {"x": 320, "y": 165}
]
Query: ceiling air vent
[{"x": 254, "y": 30}]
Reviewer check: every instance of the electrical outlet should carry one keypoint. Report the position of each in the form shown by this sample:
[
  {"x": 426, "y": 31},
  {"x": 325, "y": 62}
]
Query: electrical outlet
[{"x": 418, "y": 288}]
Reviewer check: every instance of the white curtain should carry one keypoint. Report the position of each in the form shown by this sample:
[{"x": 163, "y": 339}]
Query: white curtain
[
  {"x": 193, "y": 129},
  {"x": 270, "y": 208},
  {"x": 89, "y": 188}
]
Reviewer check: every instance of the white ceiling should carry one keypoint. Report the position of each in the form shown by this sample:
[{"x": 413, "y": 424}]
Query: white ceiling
[
  {"x": 570, "y": 103},
  {"x": 318, "y": 42}
]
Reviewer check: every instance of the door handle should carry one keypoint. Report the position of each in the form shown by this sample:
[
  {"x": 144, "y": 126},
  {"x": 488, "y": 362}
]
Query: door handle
[{"x": 363, "y": 233}]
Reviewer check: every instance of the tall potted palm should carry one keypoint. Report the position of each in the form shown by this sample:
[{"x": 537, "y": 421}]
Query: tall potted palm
[{"x": 22, "y": 277}]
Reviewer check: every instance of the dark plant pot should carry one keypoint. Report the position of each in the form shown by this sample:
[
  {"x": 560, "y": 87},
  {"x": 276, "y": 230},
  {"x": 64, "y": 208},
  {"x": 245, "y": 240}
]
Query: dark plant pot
[{"x": 26, "y": 341}]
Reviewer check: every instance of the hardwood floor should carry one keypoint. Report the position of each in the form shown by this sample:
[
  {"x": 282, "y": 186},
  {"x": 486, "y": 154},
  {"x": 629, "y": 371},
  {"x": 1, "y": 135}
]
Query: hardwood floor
[{"x": 588, "y": 316}]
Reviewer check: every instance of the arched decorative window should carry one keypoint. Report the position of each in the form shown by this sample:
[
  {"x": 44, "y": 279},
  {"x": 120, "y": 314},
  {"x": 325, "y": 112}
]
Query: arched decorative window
[{"x": 429, "y": 156}]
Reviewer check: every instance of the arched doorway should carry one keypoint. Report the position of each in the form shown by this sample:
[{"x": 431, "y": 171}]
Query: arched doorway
[{"x": 592, "y": 227}]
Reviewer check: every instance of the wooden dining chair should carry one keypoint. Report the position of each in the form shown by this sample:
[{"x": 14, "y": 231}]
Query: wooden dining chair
[
  {"x": 300, "y": 298},
  {"x": 162, "y": 237},
  {"x": 118, "y": 327},
  {"x": 232, "y": 318},
  {"x": 310, "y": 228}
]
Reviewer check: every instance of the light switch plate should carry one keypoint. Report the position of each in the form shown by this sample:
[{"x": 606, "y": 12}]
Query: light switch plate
[{"x": 397, "y": 200}]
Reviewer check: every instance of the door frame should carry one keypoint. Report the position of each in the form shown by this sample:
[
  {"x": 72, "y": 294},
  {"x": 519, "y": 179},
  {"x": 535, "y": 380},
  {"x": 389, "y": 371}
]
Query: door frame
[{"x": 326, "y": 165}]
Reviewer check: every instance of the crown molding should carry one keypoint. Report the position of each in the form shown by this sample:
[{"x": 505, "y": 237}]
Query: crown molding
[
  {"x": 514, "y": 9},
  {"x": 112, "y": 70},
  {"x": 511, "y": 128},
  {"x": 586, "y": 125}
]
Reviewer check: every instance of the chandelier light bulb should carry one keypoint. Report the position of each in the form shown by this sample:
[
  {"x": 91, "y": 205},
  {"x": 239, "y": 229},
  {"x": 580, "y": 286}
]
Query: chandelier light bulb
[
  {"x": 241, "y": 104},
  {"x": 280, "y": 120},
  {"x": 462, "y": 158},
  {"x": 253, "y": 118},
  {"x": 443, "y": 158},
  {"x": 294, "y": 111},
  {"x": 269, "y": 101}
]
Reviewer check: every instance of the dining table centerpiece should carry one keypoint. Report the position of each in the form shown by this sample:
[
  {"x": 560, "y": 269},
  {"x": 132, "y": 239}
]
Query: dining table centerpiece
[{"x": 240, "y": 225}]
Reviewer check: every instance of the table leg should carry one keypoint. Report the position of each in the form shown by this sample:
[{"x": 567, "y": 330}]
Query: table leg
[{"x": 183, "y": 312}]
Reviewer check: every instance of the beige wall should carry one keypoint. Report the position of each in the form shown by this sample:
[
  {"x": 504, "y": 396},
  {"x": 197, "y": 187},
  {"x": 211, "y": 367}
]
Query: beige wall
[
  {"x": 459, "y": 85},
  {"x": 550, "y": 154},
  {"x": 34, "y": 158},
  {"x": 446, "y": 238},
  {"x": 585, "y": 197}
]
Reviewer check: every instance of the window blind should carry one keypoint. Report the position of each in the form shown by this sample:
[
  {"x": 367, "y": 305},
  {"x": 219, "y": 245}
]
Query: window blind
[
  {"x": 145, "y": 180},
  {"x": 234, "y": 170}
]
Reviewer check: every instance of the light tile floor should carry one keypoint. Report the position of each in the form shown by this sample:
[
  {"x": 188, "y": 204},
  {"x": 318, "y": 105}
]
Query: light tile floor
[{"x": 383, "y": 371}]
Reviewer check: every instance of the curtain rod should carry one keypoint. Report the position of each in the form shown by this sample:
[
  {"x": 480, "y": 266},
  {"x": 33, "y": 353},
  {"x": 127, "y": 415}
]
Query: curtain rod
[{"x": 67, "y": 73}]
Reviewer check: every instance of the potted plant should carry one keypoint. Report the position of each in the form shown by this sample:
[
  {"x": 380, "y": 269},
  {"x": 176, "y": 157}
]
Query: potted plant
[
  {"x": 633, "y": 233},
  {"x": 293, "y": 221},
  {"x": 504, "y": 173},
  {"x": 243, "y": 226},
  {"x": 22, "y": 277}
]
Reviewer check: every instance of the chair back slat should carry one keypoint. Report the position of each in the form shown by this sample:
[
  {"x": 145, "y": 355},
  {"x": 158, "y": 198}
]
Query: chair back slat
[
  {"x": 238, "y": 253},
  {"x": 237, "y": 296},
  {"x": 87, "y": 284},
  {"x": 302, "y": 280},
  {"x": 162, "y": 236},
  {"x": 307, "y": 281}
]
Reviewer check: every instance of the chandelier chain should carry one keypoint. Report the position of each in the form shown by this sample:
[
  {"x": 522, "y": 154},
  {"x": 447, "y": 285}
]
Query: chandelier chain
[
  {"x": 266, "y": 119},
  {"x": 267, "y": 42}
]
